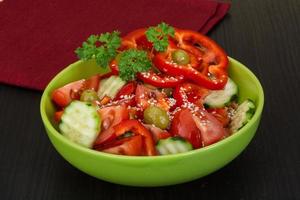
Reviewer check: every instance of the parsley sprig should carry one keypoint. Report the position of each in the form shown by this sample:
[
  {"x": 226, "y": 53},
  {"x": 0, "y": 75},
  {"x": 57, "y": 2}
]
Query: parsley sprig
[
  {"x": 159, "y": 34},
  {"x": 131, "y": 62},
  {"x": 104, "y": 48},
  {"x": 101, "y": 47}
]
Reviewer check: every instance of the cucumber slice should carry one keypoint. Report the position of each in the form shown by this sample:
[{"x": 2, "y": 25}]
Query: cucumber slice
[
  {"x": 110, "y": 86},
  {"x": 220, "y": 98},
  {"x": 173, "y": 145},
  {"x": 80, "y": 123},
  {"x": 242, "y": 115}
]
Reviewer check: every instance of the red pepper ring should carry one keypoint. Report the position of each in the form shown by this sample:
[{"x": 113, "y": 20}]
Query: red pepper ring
[
  {"x": 160, "y": 80},
  {"x": 212, "y": 52},
  {"x": 136, "y": 39},
  {"x": 157, "y": 80},
  {"x": 114, "y": 70},
  {"x": 213, "y": 74},
  {"x": 217, "y": 82},
  {"x": 137, "y": 128}
]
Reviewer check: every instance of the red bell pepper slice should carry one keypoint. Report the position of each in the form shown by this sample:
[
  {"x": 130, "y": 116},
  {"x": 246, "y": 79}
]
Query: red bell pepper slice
[
  {"x": 138, "y": 129},
  {"x": 126, "y": 90},
  {"x": 212, "y": 73},
  {"x": 126, "y": 94},
  {"x": 137, "y": 39},
  {"x": 113, "y": 68},
  {"x": 155, "y": 79},
  {"x": 130, "y": 146},
  {"x": 160, "y": 80},
  {"x": 189, "y": 92}
]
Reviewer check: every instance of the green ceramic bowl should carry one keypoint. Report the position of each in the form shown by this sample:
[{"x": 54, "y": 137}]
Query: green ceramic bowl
[{"x": 158, "y": 170}]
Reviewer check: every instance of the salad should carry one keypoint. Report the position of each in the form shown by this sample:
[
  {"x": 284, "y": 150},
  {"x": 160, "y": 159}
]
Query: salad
[{"x": 167, "y": 91}]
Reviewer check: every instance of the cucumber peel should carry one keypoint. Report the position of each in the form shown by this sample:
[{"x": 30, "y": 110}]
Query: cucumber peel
[{"x": 80, "y": 123}]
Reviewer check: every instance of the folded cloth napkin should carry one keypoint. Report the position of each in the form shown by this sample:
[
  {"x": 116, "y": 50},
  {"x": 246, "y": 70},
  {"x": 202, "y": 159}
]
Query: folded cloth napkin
[{"x": 38, "y": 38}]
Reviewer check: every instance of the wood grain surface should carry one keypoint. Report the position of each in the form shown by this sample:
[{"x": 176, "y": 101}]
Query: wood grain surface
[{"x": 262, "y": 34}]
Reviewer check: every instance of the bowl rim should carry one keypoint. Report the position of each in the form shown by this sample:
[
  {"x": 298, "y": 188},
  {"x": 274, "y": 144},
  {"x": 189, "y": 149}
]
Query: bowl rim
[{"x": 60, "y": 137}]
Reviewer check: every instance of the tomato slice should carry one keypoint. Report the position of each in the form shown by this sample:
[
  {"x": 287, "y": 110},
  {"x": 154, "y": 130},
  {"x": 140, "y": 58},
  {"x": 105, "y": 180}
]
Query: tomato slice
[
  {"x": 145, "y": 95},
  {"x": 64, "y": 95},
  {"x": 92, "y": 83},
  {"x": 110, "y": 116},
  {"x": 220, "y": 114},
  {"x": 157, "y": 133},
  {"x": 184, "y": 125},
  {"x": 189, "y": 92},
  {"x": 211, "y": 129},
  {"x": 57, "y": 115},
  {"x": 132, "y": 146}
]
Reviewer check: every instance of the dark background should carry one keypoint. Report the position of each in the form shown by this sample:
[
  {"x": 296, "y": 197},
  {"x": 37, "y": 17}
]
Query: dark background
[{"x": 262, "y": 34}]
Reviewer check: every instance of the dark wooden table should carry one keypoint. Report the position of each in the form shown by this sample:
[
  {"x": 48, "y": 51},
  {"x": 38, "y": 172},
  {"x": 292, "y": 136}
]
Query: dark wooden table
[{"x": 264, "y": 35}]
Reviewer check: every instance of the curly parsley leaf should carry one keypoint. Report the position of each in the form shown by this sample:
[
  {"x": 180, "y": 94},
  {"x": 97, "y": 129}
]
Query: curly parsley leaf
[
  {"x": 159, "y": 34},
  {"x": 101, "y": 47},
  {"x": 131, "y": 62}
]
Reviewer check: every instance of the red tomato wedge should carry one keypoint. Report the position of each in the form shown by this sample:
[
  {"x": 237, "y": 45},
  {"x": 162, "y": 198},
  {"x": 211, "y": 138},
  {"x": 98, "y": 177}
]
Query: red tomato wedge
[
  {"x": 64, "y": 95},
  {"x": 183, "y": 125},
  {"x": 189, "y": 92},
  {"x": 110, "y": 116},
  {"x": 157, "y": 133},
  {"x": 143, "y": 96},
  {"x": 220, "y": 114},
  {"x": 92, "y": 83},
  {"x": 57, "y": 115},
  {"x": 211, "y": 129}
]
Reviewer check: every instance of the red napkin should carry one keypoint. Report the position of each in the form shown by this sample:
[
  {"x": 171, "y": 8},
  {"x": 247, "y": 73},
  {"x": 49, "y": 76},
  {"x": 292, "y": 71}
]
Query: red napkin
[{"x": 38, "y": 38}]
